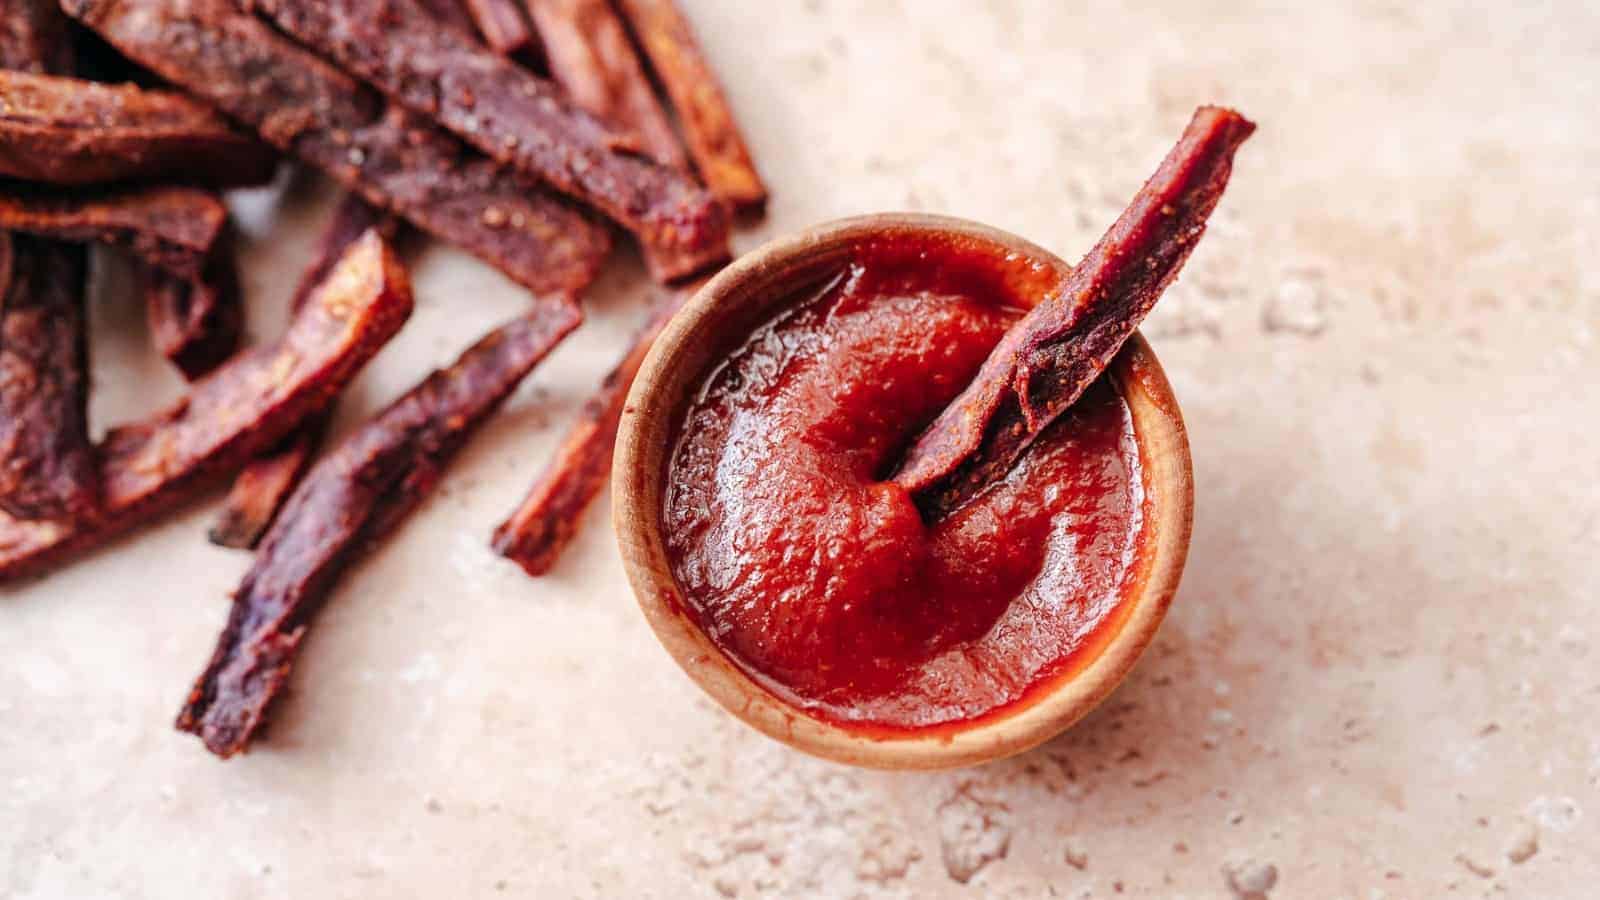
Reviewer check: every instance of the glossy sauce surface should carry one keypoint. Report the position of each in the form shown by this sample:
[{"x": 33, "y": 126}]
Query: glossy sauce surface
[{"x": 820, "y": 579}]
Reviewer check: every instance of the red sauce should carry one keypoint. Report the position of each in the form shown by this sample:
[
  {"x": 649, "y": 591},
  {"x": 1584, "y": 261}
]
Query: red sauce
[{"x": 819, "y": 578}]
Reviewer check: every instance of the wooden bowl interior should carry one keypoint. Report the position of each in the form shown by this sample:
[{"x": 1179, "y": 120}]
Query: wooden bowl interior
[{"x": 746, "y": 295}]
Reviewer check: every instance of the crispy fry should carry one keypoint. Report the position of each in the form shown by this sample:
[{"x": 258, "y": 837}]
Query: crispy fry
[
  {"x": 194, "y": 323},
  {"x": 393, "y": 158},
  {"x": 501, "y": 24},
  {"x": 536, "y": 533},
  {"x": 71, "y": 131},
  {"x": 34, "y": 38},
  {"x": 260, "y": 490},
  {"x": 1047, "y": 359},
  {"x": 592, "y": 58},
  {"x": 511, "y": 115},
  {"x": 718, "y": 149},
  {"x": 352, "y": 218},
  {"x": 262, "y": 487},
  {"x": 172, "y": 228},
  {"x": 233, "y": 413},
  {"x": 351, "y": 499},
  {"x": 47, "y": 463}
]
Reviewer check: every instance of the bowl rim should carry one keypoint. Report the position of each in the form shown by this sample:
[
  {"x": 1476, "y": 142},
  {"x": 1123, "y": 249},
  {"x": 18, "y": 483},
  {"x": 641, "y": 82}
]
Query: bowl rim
[{"x": 677, "y": 363}]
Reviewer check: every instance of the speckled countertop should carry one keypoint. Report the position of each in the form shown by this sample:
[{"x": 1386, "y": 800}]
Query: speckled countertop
[{"x": 1381, "y": 677}]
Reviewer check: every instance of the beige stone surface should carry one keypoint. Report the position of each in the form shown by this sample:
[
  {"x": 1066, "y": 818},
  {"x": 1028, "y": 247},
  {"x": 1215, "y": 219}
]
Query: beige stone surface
[{"x": 1380, "y": 679}]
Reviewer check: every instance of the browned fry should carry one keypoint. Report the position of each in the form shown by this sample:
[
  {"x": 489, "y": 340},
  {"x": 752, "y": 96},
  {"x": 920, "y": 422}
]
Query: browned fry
[
  {"x": 592, "y": 58},
  {"x": 512, "y": 115},
  {"x": 258, "y": 492},
  {"x": 352, "y": 218},
  {"x": 194, "y": 323},
  {"x": 47, "y": 465},
  {"x": 70, "y": 131},
  {"x": 352, "y": 498},
  {"x": 548, "y": 518},
  {"x": 232, "y": 414},
  {"x": 1050, "y": 356},
  {"x": 34, "y": 37},
  {"x": 172, "y": 228},
  {"x": 501, "y": 24},
  {"x": 262, "y": 487},
  {"x": 394, "y": 159},
  {"x": 718, "y": 149}
]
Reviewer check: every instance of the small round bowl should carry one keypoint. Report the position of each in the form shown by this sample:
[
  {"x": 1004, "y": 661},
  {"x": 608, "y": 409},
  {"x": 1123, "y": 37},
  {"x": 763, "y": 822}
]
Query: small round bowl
[{"x": 718, "y": 319}]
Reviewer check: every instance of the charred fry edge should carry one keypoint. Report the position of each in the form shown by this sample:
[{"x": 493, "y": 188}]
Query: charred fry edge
[
  {"x": 351, "y": 498},
  {"x": 1047, "y": 359},
  {"x": 260, "y": 490},
  {"x": 394, "y": 159},
  {"x": 511, "y": 115},
  {"x": 70, "y": 131},
  {"x": 172, "y": 228},
  {"x": 352, "y": 218},
  {"x": 47, "y": 462},
  {"x": 592, "y": 58},
  {"x": 548, "y": 518},
  {"x": 719, "y": 150},
  {"x": 195, "y": 324},
  {"x": 178, "y": 235},
  {"x": 232, "y": 414}
]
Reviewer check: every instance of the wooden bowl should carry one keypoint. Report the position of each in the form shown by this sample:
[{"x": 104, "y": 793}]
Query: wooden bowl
[{"x": 715, "y": 321}]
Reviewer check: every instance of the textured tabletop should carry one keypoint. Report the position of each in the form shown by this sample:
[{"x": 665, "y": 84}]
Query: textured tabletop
[{"x": 1381, "y": 677}]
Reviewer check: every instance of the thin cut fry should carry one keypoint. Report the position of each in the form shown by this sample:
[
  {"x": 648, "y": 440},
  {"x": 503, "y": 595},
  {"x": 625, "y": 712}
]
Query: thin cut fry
[
  {"x": 394, "y": 159},
  {"x": 47, "y": 464},
  {"x": 511, "y": 115},
  {"x": 1047, "y": 359},
  {"x": 232, "y": 414},
  {"x": 196, "y": 324},
  {"x": 548, "y": 518},
  {"x": 47, "y": 467},
  {"x": 264, "y": 485},
  {"x": 172, "y": 228},
  {"x": 70, "y": 131},
  {"x": 259, "y": 491},
  {"x": 352, "y": 498},
  {"x": 592, "y": 58},
  {"x": 718, "y": 149}
]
